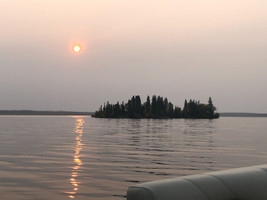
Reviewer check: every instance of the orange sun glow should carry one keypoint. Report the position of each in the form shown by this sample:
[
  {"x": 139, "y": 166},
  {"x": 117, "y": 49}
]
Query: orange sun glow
[{"x": 76, "y": 48}]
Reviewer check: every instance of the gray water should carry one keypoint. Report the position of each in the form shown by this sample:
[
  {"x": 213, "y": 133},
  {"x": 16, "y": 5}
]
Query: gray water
[{"x": 72, "y": 157}]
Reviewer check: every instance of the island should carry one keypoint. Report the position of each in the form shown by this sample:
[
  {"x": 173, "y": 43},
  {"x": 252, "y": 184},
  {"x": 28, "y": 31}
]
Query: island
[{"x": 157, "y": 108}]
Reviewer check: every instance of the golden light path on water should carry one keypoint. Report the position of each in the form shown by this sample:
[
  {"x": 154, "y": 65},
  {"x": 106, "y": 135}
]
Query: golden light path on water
[{"x": 76, "y": 158}]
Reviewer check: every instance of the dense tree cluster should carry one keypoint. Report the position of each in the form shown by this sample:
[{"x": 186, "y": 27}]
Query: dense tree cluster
[{"x": 157, "y": 107}]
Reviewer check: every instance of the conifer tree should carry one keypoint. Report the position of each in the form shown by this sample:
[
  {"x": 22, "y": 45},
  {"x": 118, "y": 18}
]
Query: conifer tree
[
  {"x": 147, "y": 105},
  {"x": 211, "y": 108},
  {"x": 154, "y": 106}
]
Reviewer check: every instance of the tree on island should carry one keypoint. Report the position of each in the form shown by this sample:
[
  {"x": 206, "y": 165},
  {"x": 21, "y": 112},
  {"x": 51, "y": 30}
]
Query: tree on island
[{"x": 158, "y": 108}]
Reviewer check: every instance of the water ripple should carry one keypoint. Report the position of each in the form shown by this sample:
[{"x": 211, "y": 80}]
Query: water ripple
[{"x": 87, "y": 158}]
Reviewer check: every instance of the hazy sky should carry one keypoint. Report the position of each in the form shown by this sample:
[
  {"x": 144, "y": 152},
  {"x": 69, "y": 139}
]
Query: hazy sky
[{"x": 179, "y": 49}]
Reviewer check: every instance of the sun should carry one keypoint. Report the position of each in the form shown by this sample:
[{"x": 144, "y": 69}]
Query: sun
[{"x": 76, "y": 48}]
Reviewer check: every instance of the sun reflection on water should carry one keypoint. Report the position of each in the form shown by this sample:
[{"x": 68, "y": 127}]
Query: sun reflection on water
[{"x": 76, "y": 158}]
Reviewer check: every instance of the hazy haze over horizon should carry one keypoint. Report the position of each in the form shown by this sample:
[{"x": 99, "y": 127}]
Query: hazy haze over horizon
[{"x": 177, "y": 49}]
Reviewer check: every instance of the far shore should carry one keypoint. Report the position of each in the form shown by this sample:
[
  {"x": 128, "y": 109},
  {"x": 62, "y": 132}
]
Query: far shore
[
  {"x": 36, "y": 112},
  {"x": 242, "y": 114}
]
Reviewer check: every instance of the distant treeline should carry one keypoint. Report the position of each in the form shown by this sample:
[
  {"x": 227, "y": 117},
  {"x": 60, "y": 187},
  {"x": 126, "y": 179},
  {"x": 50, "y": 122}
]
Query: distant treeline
[
  {"x": 157, "y": 107},
  {"x": 35, "y": 112},
  {"x": 242, "y": 114}
]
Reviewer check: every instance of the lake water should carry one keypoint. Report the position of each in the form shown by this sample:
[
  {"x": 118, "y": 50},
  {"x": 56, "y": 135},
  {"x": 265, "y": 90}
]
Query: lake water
[{"x": 73, "y": 157}]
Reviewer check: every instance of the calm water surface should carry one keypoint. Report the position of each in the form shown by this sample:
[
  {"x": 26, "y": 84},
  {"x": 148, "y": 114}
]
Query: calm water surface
[{"x": 59, "y": 157}]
